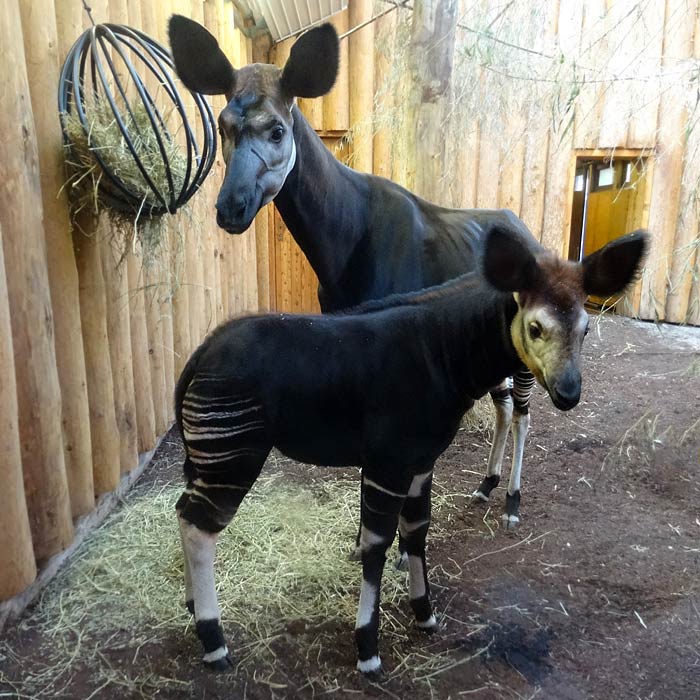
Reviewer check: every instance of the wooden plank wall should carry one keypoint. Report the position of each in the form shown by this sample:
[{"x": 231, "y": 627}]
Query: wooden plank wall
[
  {"x": 523, "y": 158},
  {"x": 90, "y": 350}
]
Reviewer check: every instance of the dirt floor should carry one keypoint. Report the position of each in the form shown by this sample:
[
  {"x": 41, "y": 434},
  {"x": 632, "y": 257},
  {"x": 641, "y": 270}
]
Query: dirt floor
[{"x": 595, "y": 596}]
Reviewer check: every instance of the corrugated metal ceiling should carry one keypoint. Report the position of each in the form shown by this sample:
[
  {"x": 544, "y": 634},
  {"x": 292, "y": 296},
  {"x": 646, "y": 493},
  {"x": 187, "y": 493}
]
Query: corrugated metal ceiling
[{"x": 287, "y": 17}]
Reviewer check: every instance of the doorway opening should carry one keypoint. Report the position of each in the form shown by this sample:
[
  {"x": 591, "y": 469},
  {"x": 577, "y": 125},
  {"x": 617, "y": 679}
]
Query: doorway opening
[{"x": 610, "y": 198}]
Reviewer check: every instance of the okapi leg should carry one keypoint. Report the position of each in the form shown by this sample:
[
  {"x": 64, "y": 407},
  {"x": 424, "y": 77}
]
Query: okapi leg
[
  {"x": 226, "y": 449},
  {"x": 503, "y": 403},
  {"x": 356, "y": 554},
  {"x": 523, "y": 384},
  {"x": 189, "y": 596},
  {"x": 380, "y": 514},
  {"x": 414, "y": 522}
]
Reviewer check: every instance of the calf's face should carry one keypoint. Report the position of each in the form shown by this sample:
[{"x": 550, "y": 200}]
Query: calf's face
[
  {"x": 550, "y": 324},
  {"x": 256, "y": 125}
]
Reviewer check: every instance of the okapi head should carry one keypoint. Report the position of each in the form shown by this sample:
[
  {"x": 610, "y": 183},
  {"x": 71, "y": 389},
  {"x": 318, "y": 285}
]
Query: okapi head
[
  {"x": 551, "y": 322},
  {"x": 256, "y": 125}
]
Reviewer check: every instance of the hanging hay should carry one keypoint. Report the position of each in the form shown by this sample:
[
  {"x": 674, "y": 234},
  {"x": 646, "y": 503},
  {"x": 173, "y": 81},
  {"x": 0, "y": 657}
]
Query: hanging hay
[{"x": 90, "y": 188}]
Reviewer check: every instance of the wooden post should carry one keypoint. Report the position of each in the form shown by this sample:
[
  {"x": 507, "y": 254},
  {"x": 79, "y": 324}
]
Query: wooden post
[
  {"x": 560, "y": 159},
  {"x": 119, "y": 335},
  {"x": 361, "y": 80},
  {"x": 156, "y": 294},
  {"x": 684, "y": 256},
  {"x": 431, "y": 53},
  {"x": 386, "y": 99},
  {"x": 93, "y": 311},
  {"x": 17, "y": 568},
  {"x": 39, "y": 397},
  {"x": 336, "y": 104},
  {"x": 40, "y": 46},
  {"x": 666, "y": 182}
]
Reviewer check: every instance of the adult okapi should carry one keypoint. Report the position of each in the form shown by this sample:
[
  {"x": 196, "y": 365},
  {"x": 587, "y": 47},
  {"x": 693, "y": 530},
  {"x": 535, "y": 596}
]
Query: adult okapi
[
  {"x": 365, "y": 237},
  {"x": 383, "y": 386}
]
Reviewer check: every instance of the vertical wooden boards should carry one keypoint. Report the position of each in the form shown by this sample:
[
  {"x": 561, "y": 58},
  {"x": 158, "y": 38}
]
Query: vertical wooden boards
[
  {"x": 385, "y": 98},
  {"x": 116, "y": 290},
  {"x": 40, "y": 45},
  {"x": 39, "y": 397},
  {"x": 561, "y": 161},
  {"x": 17, "y": 568},
  {"x": 336, "y": 104},
  {"x": 666, "y": 184},
  {"x": 614, "y": 115},
  {"x": 361, "y": 81},
  {"x": 592, "y": 95},
  {"x": 684, "y": 261},
  {"x": 646, "y": 39}
]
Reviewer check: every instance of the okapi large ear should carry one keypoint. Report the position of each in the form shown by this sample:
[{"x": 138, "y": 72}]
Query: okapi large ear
[
  {"x": 199, "y": 62},
  {"x": 508, "y": 264},
  {"x": 609, "y": 270},
  {"x": 312, "y": 66}
]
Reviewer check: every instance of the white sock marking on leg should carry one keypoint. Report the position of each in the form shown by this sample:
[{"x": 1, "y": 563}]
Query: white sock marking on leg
[
  {"x": 200, "y": 549},
  {"x": 369, "y": 665},
  {"x": 217, "y": 654}
]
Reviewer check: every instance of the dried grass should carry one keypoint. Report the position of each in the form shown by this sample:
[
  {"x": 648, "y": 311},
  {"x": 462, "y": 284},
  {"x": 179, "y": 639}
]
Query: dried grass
[{"x": 284, "y": 561}]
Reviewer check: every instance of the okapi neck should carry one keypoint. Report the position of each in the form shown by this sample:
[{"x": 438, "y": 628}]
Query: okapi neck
[
  {"x": 323, "y": 204},
  {"x": 477, "y": 339}
]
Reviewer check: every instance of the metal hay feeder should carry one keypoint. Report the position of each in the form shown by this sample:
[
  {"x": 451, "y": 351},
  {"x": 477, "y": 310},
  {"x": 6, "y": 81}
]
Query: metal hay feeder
[{"x": 101, "y": 67}]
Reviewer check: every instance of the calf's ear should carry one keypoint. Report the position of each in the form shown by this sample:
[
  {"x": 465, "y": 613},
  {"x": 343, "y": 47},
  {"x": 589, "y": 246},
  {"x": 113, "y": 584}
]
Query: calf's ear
[
  {"x": 199, "y": 62},
  {"x": 312, "y": 66},
  {"x": 609, "y": 270},
  {"x": 508, "y": 264}
]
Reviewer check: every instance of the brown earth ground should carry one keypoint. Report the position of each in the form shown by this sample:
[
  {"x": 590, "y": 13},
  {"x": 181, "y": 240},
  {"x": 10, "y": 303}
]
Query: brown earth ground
[{"x": 595, "y": 596}]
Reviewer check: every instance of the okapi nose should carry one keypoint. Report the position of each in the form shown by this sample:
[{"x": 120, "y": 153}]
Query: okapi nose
[{"x": 567, "y": 392}]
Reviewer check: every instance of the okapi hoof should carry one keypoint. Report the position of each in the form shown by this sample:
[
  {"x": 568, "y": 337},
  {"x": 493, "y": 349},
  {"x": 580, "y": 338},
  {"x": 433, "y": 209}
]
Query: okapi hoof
[
  {"x": 488, "y": 484},
  {"x": 220, "y": 665},
  {"x": 189, "y": 604},
  {"x": 429, "y": 626},
  {"x": 510, "y": 518},
  {"x": 510, "y": 522},
  {"x": 401, "y": 563},
  {"x": 371, "y": 669}
]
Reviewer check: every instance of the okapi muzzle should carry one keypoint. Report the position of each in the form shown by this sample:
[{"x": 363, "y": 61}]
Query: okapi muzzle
[{"x": 256, "y": 126}]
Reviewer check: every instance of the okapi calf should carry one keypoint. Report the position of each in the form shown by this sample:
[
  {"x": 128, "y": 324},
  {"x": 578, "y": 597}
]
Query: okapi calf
[{"x": 383, "y": 387}]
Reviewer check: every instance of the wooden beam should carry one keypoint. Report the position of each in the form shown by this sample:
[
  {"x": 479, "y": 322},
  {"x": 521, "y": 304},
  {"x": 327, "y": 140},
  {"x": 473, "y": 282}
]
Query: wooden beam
[
  {"x": 17, "y": 568},
  {"x": 21, "y": 218}
]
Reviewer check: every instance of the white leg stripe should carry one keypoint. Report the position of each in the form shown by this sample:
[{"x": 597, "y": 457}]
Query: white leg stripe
[
  {"x": 202, "y": 485},
  {"x": 416, "y": 582},
  {"x": 373, "y": 664},
  {"x": 406, "y": 528},
  {"x": 216, "y": 654},
  {"x": 215, "y": 415},
  {"x": 417, "y": 484},
  {"x": 368, "y": 482},
  {"x": 368, "y": 596}
]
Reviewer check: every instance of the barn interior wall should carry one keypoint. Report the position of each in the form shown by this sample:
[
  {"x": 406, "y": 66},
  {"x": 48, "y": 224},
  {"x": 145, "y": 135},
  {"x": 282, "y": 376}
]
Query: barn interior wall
[
  {"x": 91, "y": 345},
  {"x": 598, "y": 76}
]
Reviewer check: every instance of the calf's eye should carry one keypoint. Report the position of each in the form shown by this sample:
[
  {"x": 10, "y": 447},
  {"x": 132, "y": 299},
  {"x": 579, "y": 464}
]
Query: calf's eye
[
  {"x": 276, "y": 134},
  {"x": 535, "y": 330}
]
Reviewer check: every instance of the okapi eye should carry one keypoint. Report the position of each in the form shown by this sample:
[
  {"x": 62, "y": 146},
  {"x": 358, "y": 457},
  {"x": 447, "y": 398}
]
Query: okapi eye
[
  {"x": 588, "y": 328},
  {"x": 276, "y": 135},
  {"x": 535, "y": 330}
]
